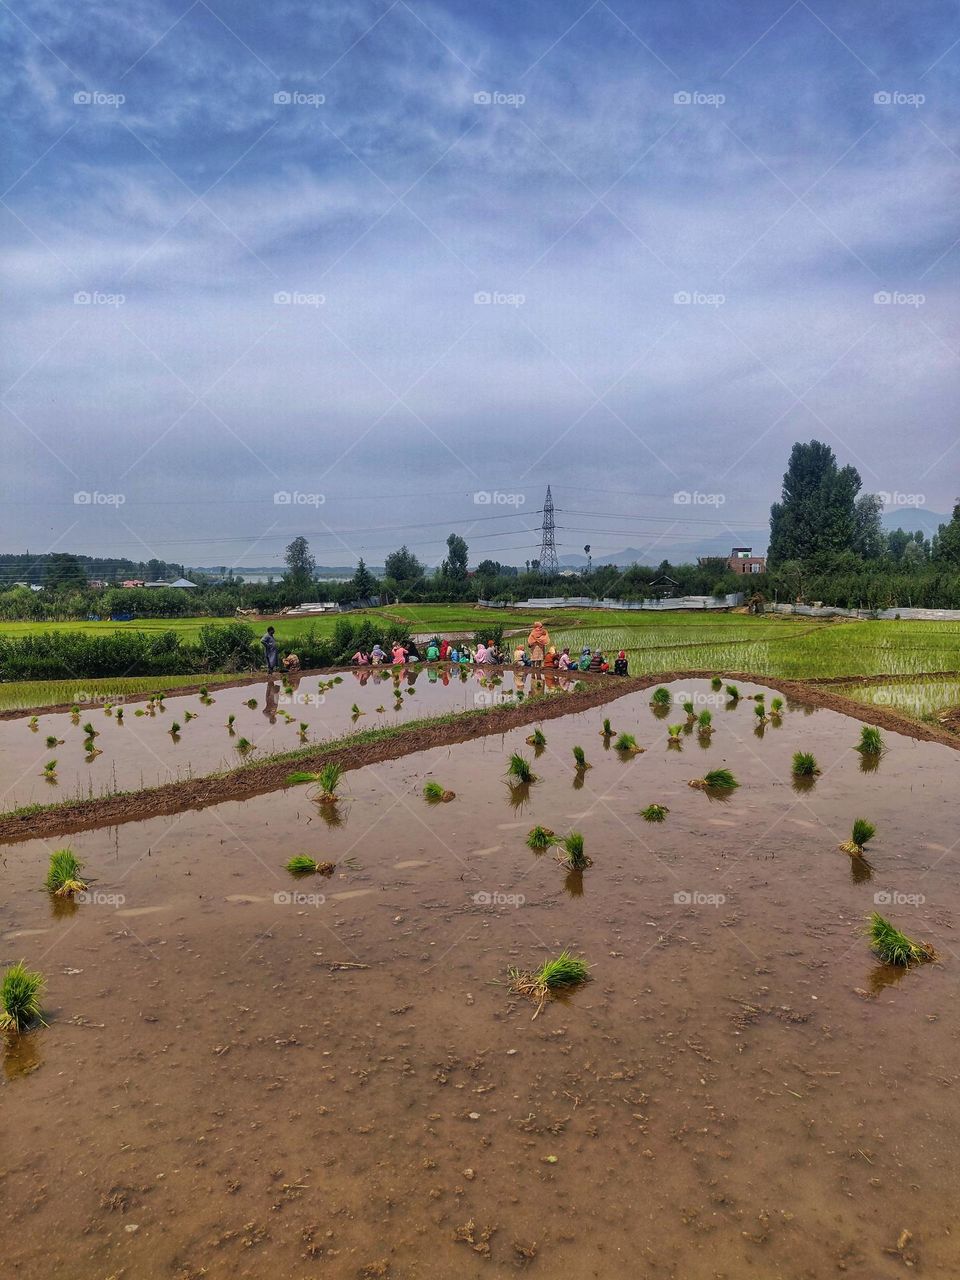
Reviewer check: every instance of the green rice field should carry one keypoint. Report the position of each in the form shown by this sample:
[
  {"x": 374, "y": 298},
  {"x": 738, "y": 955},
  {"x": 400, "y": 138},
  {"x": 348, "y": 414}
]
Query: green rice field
[
  {"x": 921, "y": 699},
  {"x": 16, "y": 695}
]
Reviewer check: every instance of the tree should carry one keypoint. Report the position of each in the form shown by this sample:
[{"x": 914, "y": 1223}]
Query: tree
[
  {"x": 64, "y": 571},
  {"x": 816, "y": 514},
  {"x": 455, "y": 565},
  {"x": 869, "y": 539},
  {"x": 945, "y": 548},
  {"x": 403, "y": 567},
  {"x": 301, "y": 566},
  {"x": 363, "y": 584}
]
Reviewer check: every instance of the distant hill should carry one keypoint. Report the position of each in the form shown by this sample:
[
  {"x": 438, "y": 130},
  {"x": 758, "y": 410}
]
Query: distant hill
[{"x": 911, "y": 519}]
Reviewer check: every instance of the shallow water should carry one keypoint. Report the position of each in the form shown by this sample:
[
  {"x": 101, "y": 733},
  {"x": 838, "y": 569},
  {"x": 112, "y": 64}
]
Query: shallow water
[
  {"x": 916, "y": 698},
  {"x": 740, "y": 1090},
  {"x": 140, "y": 750}
]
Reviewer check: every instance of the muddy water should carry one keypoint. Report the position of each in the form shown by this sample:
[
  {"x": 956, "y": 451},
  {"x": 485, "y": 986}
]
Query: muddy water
[
  {"x": 140, "y": 750},
  {"x": 237, "y": 1081}
]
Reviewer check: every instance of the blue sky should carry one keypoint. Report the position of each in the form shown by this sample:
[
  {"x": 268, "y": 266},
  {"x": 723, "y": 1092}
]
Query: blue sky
[{"x": 287, "y": 220}]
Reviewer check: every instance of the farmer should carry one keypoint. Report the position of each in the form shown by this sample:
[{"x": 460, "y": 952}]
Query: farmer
[
  {"x": 596, "y": 662},
  {"x": 538, "y": 640},
  {"x": 620, "y": 664},
  {"x": 564, "y": 661},
  {"x": 377, "y": 655},
  {"x": 433, "y": 651},
  {"x": 360, "y": 659},
  {"x": 399, "y": 654},
  {"x": 270, "y": 649}
]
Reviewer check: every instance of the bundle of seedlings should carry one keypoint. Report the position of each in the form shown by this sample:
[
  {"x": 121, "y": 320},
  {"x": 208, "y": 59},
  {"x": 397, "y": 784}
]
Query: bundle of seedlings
[
  {"x": 760, "y": 711},
  {"x": 716, "y": 684},
  {"x": 324, "y": 783},
  {"x": 555, "y": 975},
  {"x": 33, "y": 723},
  {"x": 89, "y": 731},
  {"x": 715, "y": 780},
  {"x": 20, "y": 995},
  {"x": 661, "y": 697},
  {"x": 188, "y": 716},
  {"x": 862, "y": 832},
  {"x": 541, "y": 838},
  {"x": 733, "y": 693},
  {"x": 251, "y": 703},
  {"x": 537, "y": 739},
  {"x": 654, "y": 812},
  {"x": 804, "y": 765},
  {"x": 174, "y": 730},
  {"x": 776, "y": 708},
  {"x": 53, "y": 741},
  {"x": 705, "y": 724},
  {"x": 626, "y": 744},
  {"x": 231, "y": 721},
  {"x": 244, "y": 745},
  {"x": 580, "y": 759},
  {"x": 119, "y": 715},
  {"x": 355, "y": 712},
  {"x": 690, "y": 710},
  {"x": 301, "y": 865},
  {"x": 606, "y": 731},
  {"x": 894, "y": 947},
  {"x": 303, "y": 730},
  {"x": 519, "y": 769},
  {"x": 673, "y": 735},
  {"x": 63, "y": 874},
  {"x": 573, "y": 856},
  {"x": 436, "y": 793},
  {"x": 50, "y": 770},
  {"x": 871, "y": 741}
]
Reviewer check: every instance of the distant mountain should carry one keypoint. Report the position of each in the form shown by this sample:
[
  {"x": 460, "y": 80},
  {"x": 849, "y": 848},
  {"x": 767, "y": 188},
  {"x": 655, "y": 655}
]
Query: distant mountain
[
  {"x": 911, "y": 519},
  {"x": 676, "y": 553}
]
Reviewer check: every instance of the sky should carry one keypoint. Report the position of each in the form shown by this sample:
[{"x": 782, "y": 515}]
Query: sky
[{"x": 377, "y": 271}]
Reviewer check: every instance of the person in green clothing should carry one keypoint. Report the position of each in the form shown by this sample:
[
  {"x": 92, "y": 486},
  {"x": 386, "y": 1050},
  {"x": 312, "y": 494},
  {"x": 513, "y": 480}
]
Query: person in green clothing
[{"x": 433, "y": 651}]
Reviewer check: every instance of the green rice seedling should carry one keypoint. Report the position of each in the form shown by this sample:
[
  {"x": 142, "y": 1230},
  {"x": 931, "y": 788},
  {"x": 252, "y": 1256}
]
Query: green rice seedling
[
  {"x": 716, "y": 683},
  {"x": 871, "y": 741},
  {"x": 894, "y": 947},
  {"x": 301, "y": 865},
  {"x": 776, "y": 707},
  {"x": 705, "y": 723},
  {"x": 863, "y": 831},
  {"x": 174, "y": 730},
  {"x": 654, "y": 812},
  {"x": 20, "y": 995},
  {"x": 760, "y": 711},
  {"x": 715, "y": 780},
  {"x": 661, "y": 697},
  {"x": 75, "y": 710},
  {"x": 673, "y": 734},
  {"x": 627, "y": 744},
  {"x": 436, "y": 793},
  {"x": 537, "y": 739},
  {"x": 33, "y": 722},
  {"x": 304, "y": 728},
  {"x": 139, "y": 712},
  {"x": 204, "y": 691},
  {"x": 606, "y": 731},
  {"x": 160, "y": 697},
  {"x": 251, "y": 703},
  {"x": 580, "y": 758},
  {"x": 188, "y": 716},
  {"x": 231, "y": 721},
  {"x": 50, "y": 769},
  {"x": 804, "y": 765},
  {"x": 576, "y": 858},
  {"x": 63, "y": 874},
  {"x": 119, "y": 715},
  {"x": 555, "y": 975},
  {"x": 689, "y": 709},
  {"x": 328, "y": 780},
  {"x": 519, "y": 768},
  {"x": 355, "y": 711},
  {"x": 337, "y": 680},
  {"x": 90, "y": 731},
  {"x": 759, "y": 697},
  {"x": 733, "y": 693},
  {"x": 244, "y": 745},
  {"x": 381, "y": 709},
  {"x": 53, "y": 741},
  {"x": 541, "y": 838}
]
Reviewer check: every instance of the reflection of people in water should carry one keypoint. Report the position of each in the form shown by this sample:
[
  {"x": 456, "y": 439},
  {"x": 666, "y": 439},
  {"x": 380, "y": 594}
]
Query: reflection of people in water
[{"x": 272, "y": 698}]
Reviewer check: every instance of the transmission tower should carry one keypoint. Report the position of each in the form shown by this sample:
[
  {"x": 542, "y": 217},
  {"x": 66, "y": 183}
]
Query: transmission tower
[{"x": 548, "y": 545}]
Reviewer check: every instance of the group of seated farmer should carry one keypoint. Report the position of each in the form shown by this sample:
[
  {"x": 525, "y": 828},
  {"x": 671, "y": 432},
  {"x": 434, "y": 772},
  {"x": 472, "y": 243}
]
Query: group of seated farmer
[{"x": 538, "y": 652}]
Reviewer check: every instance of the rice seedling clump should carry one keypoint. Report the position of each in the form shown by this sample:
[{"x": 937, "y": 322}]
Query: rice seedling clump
[
  {"x": 861, "y": 833},
  {"x": 804, "y": 765},
  {"x": 20, "y": 995},
  {"x": 893, "y": 946},
  {"x": 436, "y": 793},
  {"x": 871, "y": 741},
  {"x": 63, "y": 874},
  {"x": 559, "y": 974},
  {"x": 541, "y": 838},
  {"x": 302, "y": 865},
  {"x": 654, "y": 812},
  {"x": 520, "y": 769},
  {"x": 716, "y": 780}
]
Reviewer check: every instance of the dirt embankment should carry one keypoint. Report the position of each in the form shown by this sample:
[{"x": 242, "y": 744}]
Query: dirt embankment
[{"x": 271, "y": 775}]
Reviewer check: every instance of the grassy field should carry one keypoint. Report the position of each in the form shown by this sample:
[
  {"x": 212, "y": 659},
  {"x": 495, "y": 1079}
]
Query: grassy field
[
  {"x": 788, "y": 647},
  {"x": 51, "y": 693}
]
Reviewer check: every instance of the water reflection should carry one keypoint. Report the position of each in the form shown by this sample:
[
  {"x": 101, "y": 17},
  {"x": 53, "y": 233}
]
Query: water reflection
[
  {"x": 884, "y": 976},
  {"x": 22, "y": 1054},
  {"x": 573, "y": 884}
]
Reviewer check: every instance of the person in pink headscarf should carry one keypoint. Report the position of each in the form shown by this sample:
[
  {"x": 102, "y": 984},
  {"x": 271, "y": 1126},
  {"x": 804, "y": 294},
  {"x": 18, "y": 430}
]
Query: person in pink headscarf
[{"x": 537, "y": 641}]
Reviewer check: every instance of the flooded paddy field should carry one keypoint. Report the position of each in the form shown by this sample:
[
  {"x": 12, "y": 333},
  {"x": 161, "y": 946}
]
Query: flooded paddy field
[
  {"x": 140, "y": 750},
  {"x": 246, "y": 1074},
  {"x": 917, "y": 698}
]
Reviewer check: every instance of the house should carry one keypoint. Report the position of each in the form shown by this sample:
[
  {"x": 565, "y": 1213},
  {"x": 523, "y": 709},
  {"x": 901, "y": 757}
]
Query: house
[
  {"x": 742, "y": 560},
  {"x": 664, "y": 587},
  {"x": 129, "y": 583},
  {"x": 96, "y": 584},
  {"x": 178, "y": 582}
]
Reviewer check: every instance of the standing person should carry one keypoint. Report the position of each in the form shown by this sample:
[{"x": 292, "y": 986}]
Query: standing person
[
  {"x": 538, "y": 640},
  {"x": 269, "y": 643}
]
